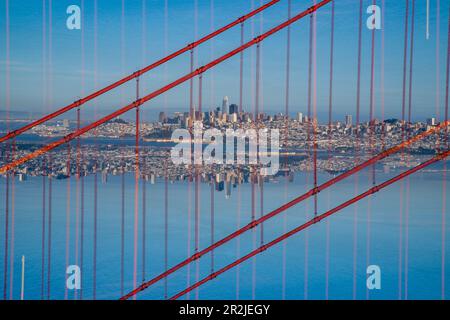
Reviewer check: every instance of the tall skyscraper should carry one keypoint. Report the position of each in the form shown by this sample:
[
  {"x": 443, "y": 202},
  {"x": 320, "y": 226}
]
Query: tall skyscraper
[
  {"x": 234, "y": 108},
  {"x": 348, "y": 120},
  {"x": 431, "y": 121},
  {"x": 225, "y": 105},
  {"x": 228, "y": 186},
  {"x": 162, "y": 117},
  {"x": 300, "y": 117}
]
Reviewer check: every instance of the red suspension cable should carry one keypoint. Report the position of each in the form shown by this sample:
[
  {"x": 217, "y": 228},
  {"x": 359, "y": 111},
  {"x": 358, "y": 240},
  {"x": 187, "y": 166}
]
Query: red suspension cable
[
  {"x": 313, "y": 221},
  {"x": 49, "y": 243},
  {"x": 330, "y": 119},
  {"x": 160, "y": 91},
  {"x": 286, "y": 206},
  {"x": 136, "y": 74}
]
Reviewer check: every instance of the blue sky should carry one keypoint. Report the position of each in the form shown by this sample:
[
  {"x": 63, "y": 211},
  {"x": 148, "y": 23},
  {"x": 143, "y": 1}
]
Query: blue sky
[{"x": 43, "y": 87}]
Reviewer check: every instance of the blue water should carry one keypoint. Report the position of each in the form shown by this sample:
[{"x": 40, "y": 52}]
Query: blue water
[{"x": 305, "y": 269}]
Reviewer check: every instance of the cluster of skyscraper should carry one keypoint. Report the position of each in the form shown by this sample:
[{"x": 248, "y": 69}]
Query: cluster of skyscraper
[
  {"x": 348, "y": 119},
  {"x": 230, "y": 113},
  {"x": 229, "y": 109}
]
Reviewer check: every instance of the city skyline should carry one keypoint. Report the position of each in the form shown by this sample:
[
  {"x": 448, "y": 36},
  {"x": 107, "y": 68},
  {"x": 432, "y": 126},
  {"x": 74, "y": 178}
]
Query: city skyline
[{"x": 167, "y": 149}]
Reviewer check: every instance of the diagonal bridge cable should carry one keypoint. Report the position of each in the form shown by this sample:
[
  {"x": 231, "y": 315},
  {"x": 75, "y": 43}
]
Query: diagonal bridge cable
[
  {"x": 313, "y": 221},
  {"x": 286, "y": 206},
  {"x": 160, "y": 91},
  {"x": 136, "y": 74}
]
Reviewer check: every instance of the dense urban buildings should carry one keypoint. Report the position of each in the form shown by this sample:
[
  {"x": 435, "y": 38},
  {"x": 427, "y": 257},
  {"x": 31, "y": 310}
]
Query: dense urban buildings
[{"x": 110, "y": 148}]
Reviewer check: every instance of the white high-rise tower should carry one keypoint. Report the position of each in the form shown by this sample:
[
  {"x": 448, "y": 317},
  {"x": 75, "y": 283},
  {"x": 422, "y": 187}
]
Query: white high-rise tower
[
  {"x": 348, "y": 120},
  {"x": 225, "y": 106}
]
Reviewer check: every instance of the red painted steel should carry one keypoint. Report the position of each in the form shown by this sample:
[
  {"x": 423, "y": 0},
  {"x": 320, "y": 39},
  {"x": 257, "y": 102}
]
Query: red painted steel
[
  {"x": 136, "y": 74},
  {"x": 447, "y": 79},
  {"x": 313, "y": 221},
  {"x": 198, "y": 72},
  {"x": 160, "y": 91},
  {"x": 284, "y": 207}
]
